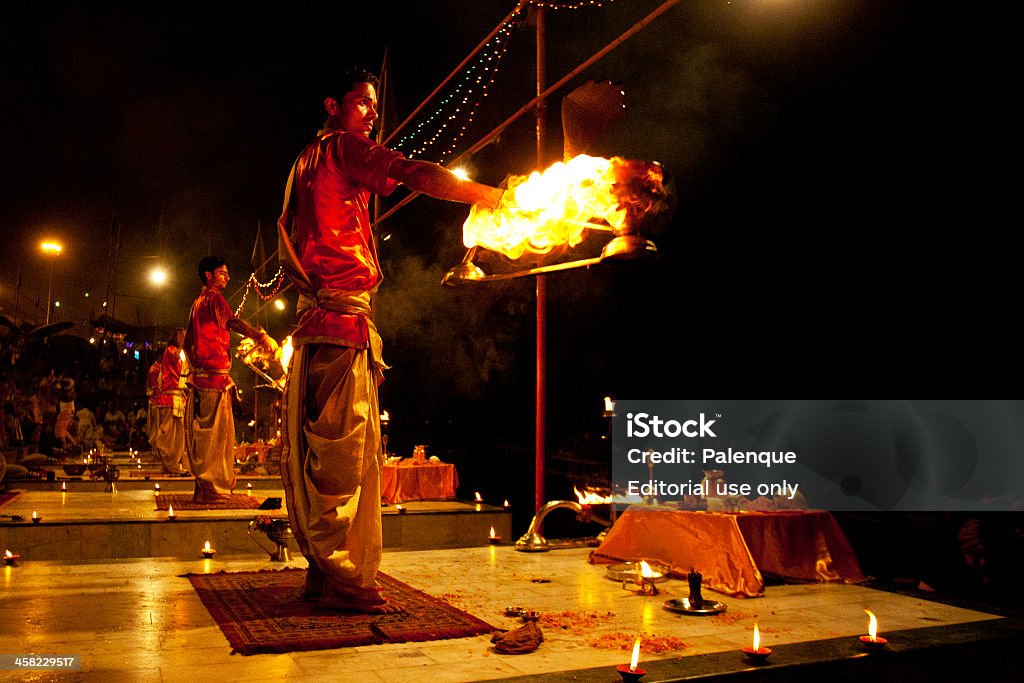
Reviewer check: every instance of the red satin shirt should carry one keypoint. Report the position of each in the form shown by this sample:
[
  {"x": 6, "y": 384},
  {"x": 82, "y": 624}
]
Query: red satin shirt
[
  {"x": 208, "y": 341},
  {"x": 334, "y": 179}
]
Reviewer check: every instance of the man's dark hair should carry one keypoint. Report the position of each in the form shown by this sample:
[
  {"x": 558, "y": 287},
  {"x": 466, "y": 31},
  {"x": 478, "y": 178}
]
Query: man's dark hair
[
  {"x": 348, "y": 80},
  {"x": 209, "y": 264}
]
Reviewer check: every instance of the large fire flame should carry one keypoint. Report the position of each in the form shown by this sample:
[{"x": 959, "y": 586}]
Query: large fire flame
[
  {"x": 553, "y": 208},
  {"x": 591, "y": 497}
]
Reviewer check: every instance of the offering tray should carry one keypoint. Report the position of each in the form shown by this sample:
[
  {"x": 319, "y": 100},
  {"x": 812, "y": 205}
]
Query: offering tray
[
  {"x": 682, "y": 605},
  {"x": 630, "y": 572}
]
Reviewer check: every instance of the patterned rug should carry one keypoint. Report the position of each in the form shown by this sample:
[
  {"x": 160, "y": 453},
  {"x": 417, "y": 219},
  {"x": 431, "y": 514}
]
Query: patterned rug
[
  {"x": 8, "y": 496},
  {"x": 183, "y": 501},
  {"x": 263, "y": 612}
]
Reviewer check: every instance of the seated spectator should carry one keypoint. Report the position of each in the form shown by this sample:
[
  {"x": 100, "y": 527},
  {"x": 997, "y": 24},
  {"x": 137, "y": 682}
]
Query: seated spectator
[
  {"x": 86, "y": 431},
  {"x": 62, "y": 430}
]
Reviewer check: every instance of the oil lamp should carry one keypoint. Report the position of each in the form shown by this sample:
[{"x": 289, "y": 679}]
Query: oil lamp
[
  {"x": 494, "y": 539},
  {"x": 207, "y": 551},
  {"x": 631, "y": 673},
  {"x": 757, "y": 654},
  {"x": 872, "y": 640}
]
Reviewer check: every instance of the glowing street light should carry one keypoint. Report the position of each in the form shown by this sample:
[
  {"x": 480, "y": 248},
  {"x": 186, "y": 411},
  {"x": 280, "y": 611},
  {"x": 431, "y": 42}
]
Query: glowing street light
[
  {"x": 158, "y": 276},
  {"x": 51, "y": 249}
]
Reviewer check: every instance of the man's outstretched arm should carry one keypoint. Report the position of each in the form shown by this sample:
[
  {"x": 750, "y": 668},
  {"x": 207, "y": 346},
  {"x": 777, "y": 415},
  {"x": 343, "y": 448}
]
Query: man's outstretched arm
[{"x": 437, "y": 181}]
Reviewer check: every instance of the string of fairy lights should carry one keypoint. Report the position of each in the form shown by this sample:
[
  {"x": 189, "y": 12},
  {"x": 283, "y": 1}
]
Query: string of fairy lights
[
  {"x": 455, "y": 113},
  {"x": 572, "y": 5},
  {"x": 253, "y": 284}
]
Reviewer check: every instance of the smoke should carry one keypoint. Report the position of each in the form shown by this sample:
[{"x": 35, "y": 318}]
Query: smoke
[{"x": 453, "y": 343}]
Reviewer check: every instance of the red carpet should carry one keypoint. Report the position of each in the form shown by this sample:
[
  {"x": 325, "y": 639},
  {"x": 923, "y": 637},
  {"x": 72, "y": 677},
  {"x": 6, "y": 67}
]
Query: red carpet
[
  {"x": 263, "y": 612},
  {"x": 8, "y": 496},
  {"x": 183, "y": 501}
]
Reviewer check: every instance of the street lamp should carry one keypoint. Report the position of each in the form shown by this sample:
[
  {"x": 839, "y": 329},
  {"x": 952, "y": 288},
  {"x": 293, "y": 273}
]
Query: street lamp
[{"x": 51, "y": 249}]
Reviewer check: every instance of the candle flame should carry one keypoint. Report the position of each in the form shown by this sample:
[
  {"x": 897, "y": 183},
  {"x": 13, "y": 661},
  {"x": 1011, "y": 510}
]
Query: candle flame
[
  {"x": 206, "y": 547},
  {"x": 609, "y": 404},
  {"x": 170, "y": 510},
  {"x": 33, "y": 514},
  {"x": 872, "y": 626},
  {"x": 757, "y": 639},
  {"x": 508, "y": 504},
  {"x": 476, "y": 497},
  {"x": 63, "y": 486},
  {"x": 8, "y": 553},
  {"x": 636, "y": 655},
  {"x": 492, "y": 532},
  {"x": 385, "y": 416}
]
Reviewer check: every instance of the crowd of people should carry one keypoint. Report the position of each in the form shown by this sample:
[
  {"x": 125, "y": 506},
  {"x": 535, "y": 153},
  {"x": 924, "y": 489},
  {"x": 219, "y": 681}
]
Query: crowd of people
[{"x": 49, "y": 415}]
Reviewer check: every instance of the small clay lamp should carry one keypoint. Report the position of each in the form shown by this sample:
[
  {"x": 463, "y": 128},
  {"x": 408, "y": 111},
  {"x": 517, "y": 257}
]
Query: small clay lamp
[
  {"x": 872, "y": 640},
  {"x": 757, "y": 654},
  {"x": 631, "y": 673}
]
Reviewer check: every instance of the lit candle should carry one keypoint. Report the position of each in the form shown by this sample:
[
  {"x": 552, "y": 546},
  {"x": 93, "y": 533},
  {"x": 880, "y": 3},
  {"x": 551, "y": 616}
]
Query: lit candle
[
  {"x": 156, "y": 488},
  {"x": 508, "y": 504},
  {"x": 872, "y": 640},
  {"x": 10, "y": 558},
  {"x": 757, "y": 654},
  {"x": 36, "y": 518},
  {"x": 248, "y": 488},
  {"x": 632, "y": 673},
  {"x": 494, "y": 539},
  {"x": 476, "y": 497},
  {"x": 207, "y": 551},
  {"x": 63, "y": 486},
  {"x": 170, "y": 513}
]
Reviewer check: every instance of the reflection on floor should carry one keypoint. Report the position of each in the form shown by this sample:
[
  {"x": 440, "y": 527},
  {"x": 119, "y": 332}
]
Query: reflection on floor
[{"x": 140, "y": 620}]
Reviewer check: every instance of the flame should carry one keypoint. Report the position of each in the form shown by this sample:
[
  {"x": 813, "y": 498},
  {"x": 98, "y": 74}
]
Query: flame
[
  {"x": 757, "y": 639},
  {"x": 609, "y": 404},
  {"x": 8, "y": 554},
  {"x": 645, "y": 570},
  {"x": 492, "y": 532},
  {"x": 508, "y": 504},
  {"x": 591, "y": 497},
  {"x": 286, "y": 349},
  {"x": 872, "y": 626},
  {"x": 636, "y": 655},
  {"x": 170, "y": 510},
  {"x": 476, "y": 497},
  {"x": 63, "y": 486},
  {"x": 385, "y": 416},
  {"x": 549, "y": 209},
  {"x": 206, "y": 547}
]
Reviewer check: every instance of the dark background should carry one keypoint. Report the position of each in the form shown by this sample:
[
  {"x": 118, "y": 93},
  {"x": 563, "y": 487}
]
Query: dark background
[{"x": 842, "y": 173}]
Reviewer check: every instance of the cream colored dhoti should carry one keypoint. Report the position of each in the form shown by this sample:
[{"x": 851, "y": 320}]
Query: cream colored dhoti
[
  {"x": 331, "y": 464},
  {"x": 210, "y": 442},
  {"x": 168, "y": 437}
]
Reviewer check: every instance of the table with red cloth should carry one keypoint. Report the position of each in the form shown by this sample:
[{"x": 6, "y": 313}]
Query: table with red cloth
[
  {"x": 412, "y": 480},
  {"x": 732, "y": 550}
]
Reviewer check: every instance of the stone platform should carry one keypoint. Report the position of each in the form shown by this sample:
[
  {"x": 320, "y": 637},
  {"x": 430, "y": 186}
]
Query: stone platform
[{"x": 85, "y": 522}]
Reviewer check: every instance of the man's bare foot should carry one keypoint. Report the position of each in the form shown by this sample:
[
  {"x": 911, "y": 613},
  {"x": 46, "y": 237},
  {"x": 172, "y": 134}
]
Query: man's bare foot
[{"x": 333, "y": 599}]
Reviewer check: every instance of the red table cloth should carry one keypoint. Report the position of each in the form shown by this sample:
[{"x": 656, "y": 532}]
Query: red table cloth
[
  {"x": 418, "y": 481},
  {"x": 732, "y": 550}
]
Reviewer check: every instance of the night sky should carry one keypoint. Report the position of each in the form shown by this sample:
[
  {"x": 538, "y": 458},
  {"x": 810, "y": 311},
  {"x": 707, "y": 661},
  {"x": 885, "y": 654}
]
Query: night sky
[{"x": 839, "y": 168}]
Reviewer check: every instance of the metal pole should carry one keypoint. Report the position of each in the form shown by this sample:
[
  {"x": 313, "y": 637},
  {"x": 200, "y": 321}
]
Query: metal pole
[
  {"x": 49, "y": 292},
  {"x": 541, "y": 286}
]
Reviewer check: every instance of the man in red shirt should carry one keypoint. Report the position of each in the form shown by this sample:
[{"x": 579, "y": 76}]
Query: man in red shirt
[
  {"x": 209, "y": 422},
  {"x": 167, "y": 408},
  {"x": 331, "y": 447}
]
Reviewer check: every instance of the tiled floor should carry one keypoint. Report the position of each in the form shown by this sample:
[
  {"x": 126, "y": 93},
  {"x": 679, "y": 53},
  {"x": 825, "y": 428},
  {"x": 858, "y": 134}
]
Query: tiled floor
[{"x": 139, "y": 620}]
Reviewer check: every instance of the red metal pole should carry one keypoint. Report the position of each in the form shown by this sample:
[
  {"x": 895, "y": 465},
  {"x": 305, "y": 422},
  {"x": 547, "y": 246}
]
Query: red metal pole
[{"x": 541, "y": 286}]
